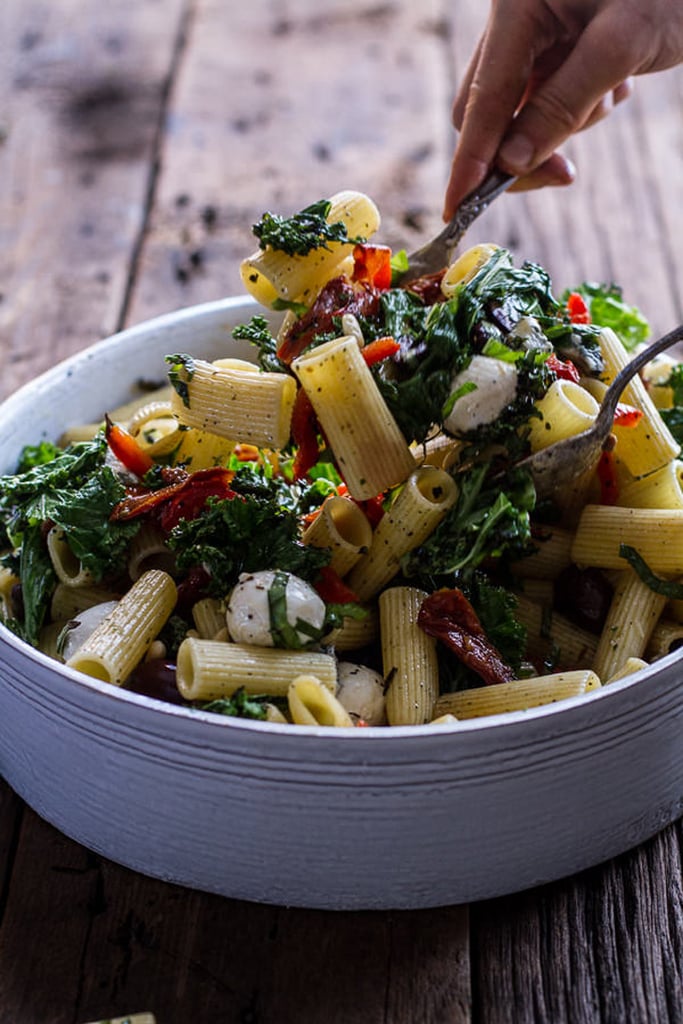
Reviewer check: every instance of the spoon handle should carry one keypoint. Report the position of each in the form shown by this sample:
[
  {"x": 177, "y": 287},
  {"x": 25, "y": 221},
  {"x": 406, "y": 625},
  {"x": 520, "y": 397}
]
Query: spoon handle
[
  {"x": 613, "y": 394},
  {"x": 436, "y": 255}
]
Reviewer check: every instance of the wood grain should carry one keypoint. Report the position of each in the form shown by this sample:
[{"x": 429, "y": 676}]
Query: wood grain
[
  {"x": 139, "y": 142},
  {"x": 83, "y": 87}
]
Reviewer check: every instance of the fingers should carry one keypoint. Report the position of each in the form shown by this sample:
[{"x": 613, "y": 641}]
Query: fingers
[
  {"x": 556, "y": 170},
  {"x": 486, "y": 104},
  {"x": 578, "y": 94}
]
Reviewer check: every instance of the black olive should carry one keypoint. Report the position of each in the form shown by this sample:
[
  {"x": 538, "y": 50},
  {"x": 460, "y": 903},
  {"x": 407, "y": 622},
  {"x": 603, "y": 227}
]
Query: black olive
[
  {"x": 584, "y": 596},
  {"x": 156, "y": 678}
]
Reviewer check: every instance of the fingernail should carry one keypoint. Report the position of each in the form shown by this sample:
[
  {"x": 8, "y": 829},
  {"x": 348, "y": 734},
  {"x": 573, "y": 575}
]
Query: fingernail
[{"x": 517, "y": 153}]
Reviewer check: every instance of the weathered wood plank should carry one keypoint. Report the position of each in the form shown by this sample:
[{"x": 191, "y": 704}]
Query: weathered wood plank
[
  {"x": 620, "y": 219},
  {"x": 80, "y": 937},
  {"x": 83, "y": 87},
  {"x": 286, "y": 103},
  {"x": 602, "y": 948}
]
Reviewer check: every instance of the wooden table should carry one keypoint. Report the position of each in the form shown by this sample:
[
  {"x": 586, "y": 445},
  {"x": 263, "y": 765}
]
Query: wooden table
[{"x": 139, "y": 140}]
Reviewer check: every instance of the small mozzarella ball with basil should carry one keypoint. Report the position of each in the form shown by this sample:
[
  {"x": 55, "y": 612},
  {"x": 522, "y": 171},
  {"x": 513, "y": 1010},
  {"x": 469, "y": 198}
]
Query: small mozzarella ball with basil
[
  {"x": 483, "y": 389},
  {"x": 79, "y": 629},
  {"x": 361, "y": 691},
  {"x": 250, "y": 612}
]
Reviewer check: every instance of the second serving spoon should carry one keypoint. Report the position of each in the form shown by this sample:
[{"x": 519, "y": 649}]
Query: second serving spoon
[{"x": 560, "y": 464}]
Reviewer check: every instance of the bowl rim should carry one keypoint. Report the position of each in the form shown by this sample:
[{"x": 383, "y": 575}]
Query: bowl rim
[{"x": 359, "y": 735}]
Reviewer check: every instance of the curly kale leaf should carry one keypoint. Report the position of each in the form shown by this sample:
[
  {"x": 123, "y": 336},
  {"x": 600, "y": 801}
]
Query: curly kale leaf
[
  {"x": 674, "y": 417},
  {"x": 303, "y": 232},
  {"x": 258, "y": 332},
  {"x": 244, "y": 534},
  {"x": 76, "y": 491},
  {"x": 417, "y": 383},
  {"x": 487, "y": 521},
  {"x": 239, "y": 705}
]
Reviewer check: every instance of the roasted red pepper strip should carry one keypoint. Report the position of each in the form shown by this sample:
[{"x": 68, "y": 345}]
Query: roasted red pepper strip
[
  {"x": 338, "y": 296},
  {"x": 607, "y": 477},
  {"x": 332, "y": 589},
  {"x": 627, "y": 416},
  {"x": 182, "y": 500},
  {"x": 304, "y": 435},
  {"x": 373, "y": 508},
  {"x": 126, "y": 449},
  {"x": 563, "y": 370},
  {"x": 449, "y": 616},
  {"x": 577, "y": 309},
  {"x": 372, "y": 265},
  {"x": 379, "y": 349}
]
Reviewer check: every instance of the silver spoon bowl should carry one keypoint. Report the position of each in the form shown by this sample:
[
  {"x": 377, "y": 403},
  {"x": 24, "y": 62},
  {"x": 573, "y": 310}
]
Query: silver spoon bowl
[{"x": 560, "y": 464}]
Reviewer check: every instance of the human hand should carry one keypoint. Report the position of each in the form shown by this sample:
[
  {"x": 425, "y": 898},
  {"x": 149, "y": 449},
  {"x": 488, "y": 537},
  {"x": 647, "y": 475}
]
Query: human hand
[{"x": 544, "y": 69}]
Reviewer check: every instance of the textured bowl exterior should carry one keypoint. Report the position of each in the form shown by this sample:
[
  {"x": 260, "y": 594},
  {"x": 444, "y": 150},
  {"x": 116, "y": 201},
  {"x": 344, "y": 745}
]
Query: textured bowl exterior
[{"x": 335, "y": 819}]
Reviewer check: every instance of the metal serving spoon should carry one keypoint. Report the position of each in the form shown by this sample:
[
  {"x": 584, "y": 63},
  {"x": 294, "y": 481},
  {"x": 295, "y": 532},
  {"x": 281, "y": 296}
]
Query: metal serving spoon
[
  {"x": 558, "y": 465},
  {"x": 436, "y": 255}
]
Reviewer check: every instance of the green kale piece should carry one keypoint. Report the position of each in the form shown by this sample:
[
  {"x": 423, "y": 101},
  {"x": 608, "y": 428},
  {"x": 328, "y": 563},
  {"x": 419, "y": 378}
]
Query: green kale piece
[
  {"x": 258, "y": 332},
  {"x": 489, "y": 519},
  {"x": 37, "y": 455},
  {"x": 172, "y": 634},
  {"x": 84, "y": 515},
  {"x": 239, "y": 705},
  {"x": 432, "y": 351},
  {"x": 608, "y": 309},
  {"x": 244, "y": 534},
  {"x": 674, "y": 417},
  {"x": 77, "y": 492},
  {"x": 180, "y": 374},
  {"x": 499, "y": 295},
  {"x": 38, "y": 581},
  {"x": 303, "y": 232}
]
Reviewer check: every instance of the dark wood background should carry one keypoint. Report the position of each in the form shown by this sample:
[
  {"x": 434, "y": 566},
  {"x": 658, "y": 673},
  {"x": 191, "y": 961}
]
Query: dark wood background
[{"x": 139, "y": 140}]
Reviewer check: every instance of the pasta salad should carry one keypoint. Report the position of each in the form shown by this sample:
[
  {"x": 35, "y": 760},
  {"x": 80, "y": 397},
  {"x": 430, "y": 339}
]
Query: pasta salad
[{"x": 344, "y": 532}]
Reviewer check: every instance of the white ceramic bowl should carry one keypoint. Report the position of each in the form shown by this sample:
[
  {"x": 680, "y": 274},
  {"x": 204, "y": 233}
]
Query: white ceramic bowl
[{"x": 317, "y": 817}]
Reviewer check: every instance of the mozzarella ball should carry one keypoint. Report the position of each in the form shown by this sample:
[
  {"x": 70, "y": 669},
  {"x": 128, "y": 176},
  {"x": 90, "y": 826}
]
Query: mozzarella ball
[
  {"x": 495, "y": 387},
  {"x": 248, "y": 614},
  {"x": 361, "y": 691},
  {"x": 82, "y": 626}
]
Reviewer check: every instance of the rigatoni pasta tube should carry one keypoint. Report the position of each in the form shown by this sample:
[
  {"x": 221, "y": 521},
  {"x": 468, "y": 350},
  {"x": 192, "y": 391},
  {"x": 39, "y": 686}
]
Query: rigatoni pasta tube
[
  {"x": 656, "y": 534},
  {"x": 518, "y": 695},
  {"x": 553, "y": 636},
  {"x": 244, "y": 404},
  {"x": 371, "y": 451},
  {"x": 208, "y": 615},
  {"x": 632, "y": 616},
  {"x": 409, "y": 659},
  {"x": 661, "y": 489},
  {"x": 355, "y": 633},
  {"x": 414, "y": 514},
  {"x": 649, "y": 444},
  {"x": 123, "y": 638},
  {"x": 67, "y": 567},
  {"x": 566, "y": 409},
  {"x": 270, "y": 274},
  {"x": 207, "y": 669},
  {"x": 667, "y": 636},
  {"x": 342, "y": 527},
  {"x": 69, "y": 602},
  {"x": 551, "y": 554},
  {"x": 312, "y": 703}
]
